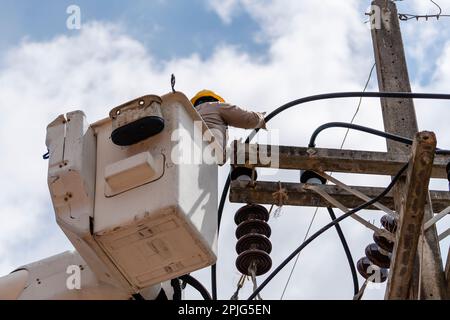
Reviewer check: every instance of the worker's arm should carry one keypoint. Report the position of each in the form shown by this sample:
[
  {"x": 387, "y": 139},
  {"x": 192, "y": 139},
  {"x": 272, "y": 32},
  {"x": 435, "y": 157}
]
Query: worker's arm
[{"x": 240, "y": 118}]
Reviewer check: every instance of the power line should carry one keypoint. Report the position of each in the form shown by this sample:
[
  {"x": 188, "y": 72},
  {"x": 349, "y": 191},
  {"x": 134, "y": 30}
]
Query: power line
[
  {"x": 408, "y": 16},
  {"x": 384, "y": 134},
  {"x": 359, "y": 104},
  {"x": 317, "y": 208},
  {"x": 298, "y": 255},
  {"x": 439, "y": 7}
]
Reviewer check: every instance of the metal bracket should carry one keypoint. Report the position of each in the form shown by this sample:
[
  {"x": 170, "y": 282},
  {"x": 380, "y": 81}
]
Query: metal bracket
[
  {"x": 357, "y": 193},
  {"x": 436, "y": 218}
]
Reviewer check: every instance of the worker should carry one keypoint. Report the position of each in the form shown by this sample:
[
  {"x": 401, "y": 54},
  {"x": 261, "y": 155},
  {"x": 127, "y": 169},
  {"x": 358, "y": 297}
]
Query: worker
[{"x": 218, "y": 115}]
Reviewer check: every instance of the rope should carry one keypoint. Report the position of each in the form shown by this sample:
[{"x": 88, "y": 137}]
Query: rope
[{"x": 282, "y": 196}]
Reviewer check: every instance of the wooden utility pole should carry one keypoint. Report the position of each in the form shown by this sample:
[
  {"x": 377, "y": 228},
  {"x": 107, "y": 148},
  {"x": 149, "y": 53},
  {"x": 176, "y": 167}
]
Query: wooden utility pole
[{"x": 399, "y": 117}]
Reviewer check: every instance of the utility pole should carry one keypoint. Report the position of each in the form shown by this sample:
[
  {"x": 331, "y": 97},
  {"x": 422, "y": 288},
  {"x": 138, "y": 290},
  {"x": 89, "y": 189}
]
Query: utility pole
[{"x": 399, "y": 117}]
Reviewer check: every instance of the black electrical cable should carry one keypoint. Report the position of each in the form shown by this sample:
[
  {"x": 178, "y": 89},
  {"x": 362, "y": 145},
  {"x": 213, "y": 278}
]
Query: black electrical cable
[
  {"x": 137, "y": 296},
  {"x": 323, "y": 96},
  {"x": 196, "y": 285},
  {"x": 391, "y": 136},
  {"x": 214, "y": 281},
  {"x": 176, "y": 289},
  {"x": 325, "y": 228},
  {"x": 351, "y": 94},
  {"x": 347, "y": 251},
  {"x": 223, "y": 198}
]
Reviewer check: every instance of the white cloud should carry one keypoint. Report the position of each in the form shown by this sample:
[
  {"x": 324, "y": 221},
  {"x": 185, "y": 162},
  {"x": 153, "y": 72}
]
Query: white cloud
[
  {"x": 225, "y": 9},
  {"x": 314, "y": 47}
]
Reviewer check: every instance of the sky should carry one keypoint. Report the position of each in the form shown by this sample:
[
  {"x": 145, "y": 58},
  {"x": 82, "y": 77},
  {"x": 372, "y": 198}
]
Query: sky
[{"x": 256, "y": 54}]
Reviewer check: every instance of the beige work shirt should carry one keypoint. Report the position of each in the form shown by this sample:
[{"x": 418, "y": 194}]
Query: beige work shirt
[{"x": 218, "y": 116}]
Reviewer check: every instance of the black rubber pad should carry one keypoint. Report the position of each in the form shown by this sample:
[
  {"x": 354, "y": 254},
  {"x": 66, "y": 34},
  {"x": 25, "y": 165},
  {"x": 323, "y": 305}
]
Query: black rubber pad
[{"x": 137, "y": 131}]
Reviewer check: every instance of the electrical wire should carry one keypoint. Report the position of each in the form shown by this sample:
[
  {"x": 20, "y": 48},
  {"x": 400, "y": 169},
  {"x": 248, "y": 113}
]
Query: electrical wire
[
  {"x": 408, "y": 16},
  {"x": 351, "y": 94},
  {"x": 223, "y": 198},
  {"x": 348, "y": 254},
  {"x": 342, "y": 238},
  {"x": 391, "y": 136},
  {"x": 325, "y": 228},
  {"x": 187, "y": 278},
  {"x": 176, "y": 289},
  {"x": 439, "y": 7},
  {"x": 325, "y": 96},
  {"x": 359, "y": 103},
  {"x": 214, "y": 281},
  {"x": 298, "y": 255}
]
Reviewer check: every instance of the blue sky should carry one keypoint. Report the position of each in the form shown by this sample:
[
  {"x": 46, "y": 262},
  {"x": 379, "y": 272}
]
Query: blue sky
[
  {"x": 168, "y": 28},
  {"x": 258, "y": 54}
]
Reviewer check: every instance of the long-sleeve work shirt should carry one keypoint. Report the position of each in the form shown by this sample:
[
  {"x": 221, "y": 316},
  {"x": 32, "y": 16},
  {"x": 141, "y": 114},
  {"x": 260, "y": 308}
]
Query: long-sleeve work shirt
[{"x": 218, "y": 116}]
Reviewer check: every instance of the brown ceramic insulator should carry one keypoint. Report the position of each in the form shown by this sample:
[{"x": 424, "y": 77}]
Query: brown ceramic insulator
[
  {"x": 251, "y": 211},
  {"x": 243, "y": 171},
  {"x": 383, "y": 243},
  {"x": 376, "y": 257},
  {"x": 253, "y": 226},
  {"x": 261, "y": 259},
  {"x": 389, "y": 223},
  {"x": 253, "y": 241},
  {"x": 371, "y": 271}
]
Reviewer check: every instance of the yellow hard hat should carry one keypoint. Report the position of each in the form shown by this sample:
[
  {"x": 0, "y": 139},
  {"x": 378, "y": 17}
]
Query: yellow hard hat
[{"x": 206, "y": 93}]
